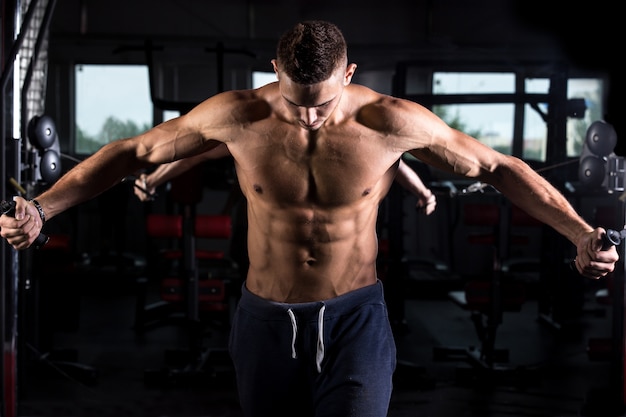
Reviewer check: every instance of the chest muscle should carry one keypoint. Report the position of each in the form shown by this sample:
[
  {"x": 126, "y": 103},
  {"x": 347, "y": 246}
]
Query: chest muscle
[{"x": 329, "y": 168}]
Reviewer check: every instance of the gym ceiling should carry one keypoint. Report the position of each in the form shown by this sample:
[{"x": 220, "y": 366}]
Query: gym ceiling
[{"x": 379, "y": 33}]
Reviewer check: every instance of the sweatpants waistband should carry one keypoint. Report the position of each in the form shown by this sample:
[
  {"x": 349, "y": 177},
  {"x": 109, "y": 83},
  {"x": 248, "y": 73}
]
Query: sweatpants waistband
[{"x": 371, "y": 294}]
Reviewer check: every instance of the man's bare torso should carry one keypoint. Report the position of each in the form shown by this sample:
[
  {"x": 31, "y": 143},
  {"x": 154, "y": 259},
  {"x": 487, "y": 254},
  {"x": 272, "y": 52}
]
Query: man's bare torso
[{"x": 313, "y": 201}]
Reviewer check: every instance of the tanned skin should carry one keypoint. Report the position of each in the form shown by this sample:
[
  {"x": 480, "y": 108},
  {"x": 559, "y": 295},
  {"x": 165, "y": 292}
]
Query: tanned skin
[
  {"x": 314, "y": 162},
  {"x": 146, "y": 184}
]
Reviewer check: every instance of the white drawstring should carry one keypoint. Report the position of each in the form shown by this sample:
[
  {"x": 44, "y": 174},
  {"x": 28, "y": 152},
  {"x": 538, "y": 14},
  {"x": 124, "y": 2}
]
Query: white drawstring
[
  {"x": 319, "y": 357},
  {"x": 294, "y": 332}
]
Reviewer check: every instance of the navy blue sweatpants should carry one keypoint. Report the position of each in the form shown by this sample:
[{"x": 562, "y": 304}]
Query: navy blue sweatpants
[{"x": 329, "y": 358}]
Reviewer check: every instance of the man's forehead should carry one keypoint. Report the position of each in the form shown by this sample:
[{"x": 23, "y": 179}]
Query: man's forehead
[
  {"x": 307, "y": 101},
  {"x": 308, "y": 95}
]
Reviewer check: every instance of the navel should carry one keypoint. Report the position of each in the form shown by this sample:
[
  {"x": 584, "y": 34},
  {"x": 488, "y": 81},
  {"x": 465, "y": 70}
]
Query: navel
[
  {"x": 258, "y": 189},
  {"x": 366, "y": 192}
]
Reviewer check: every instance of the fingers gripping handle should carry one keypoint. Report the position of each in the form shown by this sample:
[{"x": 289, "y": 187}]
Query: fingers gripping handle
[
  {"x": 610, "y": 238},
  {"x": 8, "y": 208}
]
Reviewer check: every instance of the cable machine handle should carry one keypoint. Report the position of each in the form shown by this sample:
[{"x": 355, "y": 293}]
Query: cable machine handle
[{"x": 611, "y": 238}]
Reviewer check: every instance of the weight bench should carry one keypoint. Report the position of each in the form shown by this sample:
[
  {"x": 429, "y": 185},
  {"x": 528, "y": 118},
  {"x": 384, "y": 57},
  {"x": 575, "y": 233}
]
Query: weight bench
[
  {"x": 183, "y": 297},
  {"x": 490, "y": 295},
  {"x": 194, "y": 291},
  {"x": 486, "y": 314}
]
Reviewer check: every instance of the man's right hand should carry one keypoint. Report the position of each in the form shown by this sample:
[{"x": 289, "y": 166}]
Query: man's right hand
[{"x": 22, "y": 230}]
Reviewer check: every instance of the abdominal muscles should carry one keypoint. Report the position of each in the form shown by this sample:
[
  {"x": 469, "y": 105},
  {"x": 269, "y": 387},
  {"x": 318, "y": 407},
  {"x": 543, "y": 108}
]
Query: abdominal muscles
[{"x": 301, "y": 255}]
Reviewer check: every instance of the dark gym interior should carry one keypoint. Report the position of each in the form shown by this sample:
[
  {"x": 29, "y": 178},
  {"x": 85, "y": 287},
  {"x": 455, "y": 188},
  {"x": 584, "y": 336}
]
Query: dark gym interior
[{"x": 489, "y": 318}]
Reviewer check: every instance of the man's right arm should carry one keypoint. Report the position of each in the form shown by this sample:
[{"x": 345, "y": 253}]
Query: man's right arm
[{"x": 175, "y": 139}]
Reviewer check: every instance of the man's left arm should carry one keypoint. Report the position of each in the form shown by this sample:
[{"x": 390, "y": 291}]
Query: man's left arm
[
  {"x": 535, "y": 195},
  {"x": 437, "y": 144},
  {"x": 411, "y": 181}
]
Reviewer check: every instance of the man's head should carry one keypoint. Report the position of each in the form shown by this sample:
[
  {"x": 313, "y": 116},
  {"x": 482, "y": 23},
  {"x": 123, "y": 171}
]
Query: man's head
[
  {"x": 312, "y": 71},
  {"x": 311, "y": 51}
]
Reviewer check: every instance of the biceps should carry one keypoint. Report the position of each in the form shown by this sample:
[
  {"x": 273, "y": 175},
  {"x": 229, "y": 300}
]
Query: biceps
[{"x": 461, "y": 155}]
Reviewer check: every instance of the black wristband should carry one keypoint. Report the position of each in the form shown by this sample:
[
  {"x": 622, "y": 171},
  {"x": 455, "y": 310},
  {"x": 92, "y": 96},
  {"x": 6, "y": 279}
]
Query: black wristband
[{"x": 42, "y": 215}]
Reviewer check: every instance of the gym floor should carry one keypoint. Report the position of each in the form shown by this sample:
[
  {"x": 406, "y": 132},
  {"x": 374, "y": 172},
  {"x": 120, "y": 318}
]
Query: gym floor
[{"x": 118, "y": 372}]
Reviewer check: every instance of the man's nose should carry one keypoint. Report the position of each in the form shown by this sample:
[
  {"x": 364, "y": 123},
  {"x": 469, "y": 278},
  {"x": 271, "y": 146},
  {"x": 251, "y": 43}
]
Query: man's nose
[{"x": 309, "y": 115}]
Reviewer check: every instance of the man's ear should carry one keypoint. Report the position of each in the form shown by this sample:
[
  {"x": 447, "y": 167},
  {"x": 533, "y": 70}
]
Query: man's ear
[
  {"x": 350, "y": 70},
  {"x": 275, "y": 66}
]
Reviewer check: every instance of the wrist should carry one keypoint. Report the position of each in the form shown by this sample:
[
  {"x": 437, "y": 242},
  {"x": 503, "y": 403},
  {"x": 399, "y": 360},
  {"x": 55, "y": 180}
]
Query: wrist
[{"x": 42, "y": 214}]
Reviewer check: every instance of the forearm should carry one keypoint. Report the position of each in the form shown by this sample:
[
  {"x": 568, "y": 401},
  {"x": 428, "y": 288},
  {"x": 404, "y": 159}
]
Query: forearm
[
  {"x": 93, "y": 176},
  {"x": 410, "y": 181},
  {"x": 166, "y": 172},
  {"x": 536, "y": 196}
]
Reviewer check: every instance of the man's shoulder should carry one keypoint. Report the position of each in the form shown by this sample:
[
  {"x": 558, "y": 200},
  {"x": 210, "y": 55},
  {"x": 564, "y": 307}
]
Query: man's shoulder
[
  {"x": 362, "y": 91},
  {"x": 265, "y": 92},
  {"x": 380, "y": 111},
  {"x": 238, "y": 103},
  {"x": 363, "y": 96}
]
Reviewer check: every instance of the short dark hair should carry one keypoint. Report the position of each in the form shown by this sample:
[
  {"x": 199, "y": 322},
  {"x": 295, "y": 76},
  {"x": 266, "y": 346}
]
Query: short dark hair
[{"x": 311, "y": 51}]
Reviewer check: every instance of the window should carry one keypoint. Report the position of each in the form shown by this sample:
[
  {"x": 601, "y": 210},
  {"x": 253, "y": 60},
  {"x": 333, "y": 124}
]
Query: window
[
  {"x": 260, "y": 78},
  {"x": 112, "y": 102},
  {"x": 491, "y": 123},
  {"x": 473, "y": 82},
  {"x": 535, "y": 128},
  {"x": 170, "y": 114},
  {"x": 589, "y": 89}
]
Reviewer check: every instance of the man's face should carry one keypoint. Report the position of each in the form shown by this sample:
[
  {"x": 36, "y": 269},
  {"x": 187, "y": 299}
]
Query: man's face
[{"x": 312, "y": 105}]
